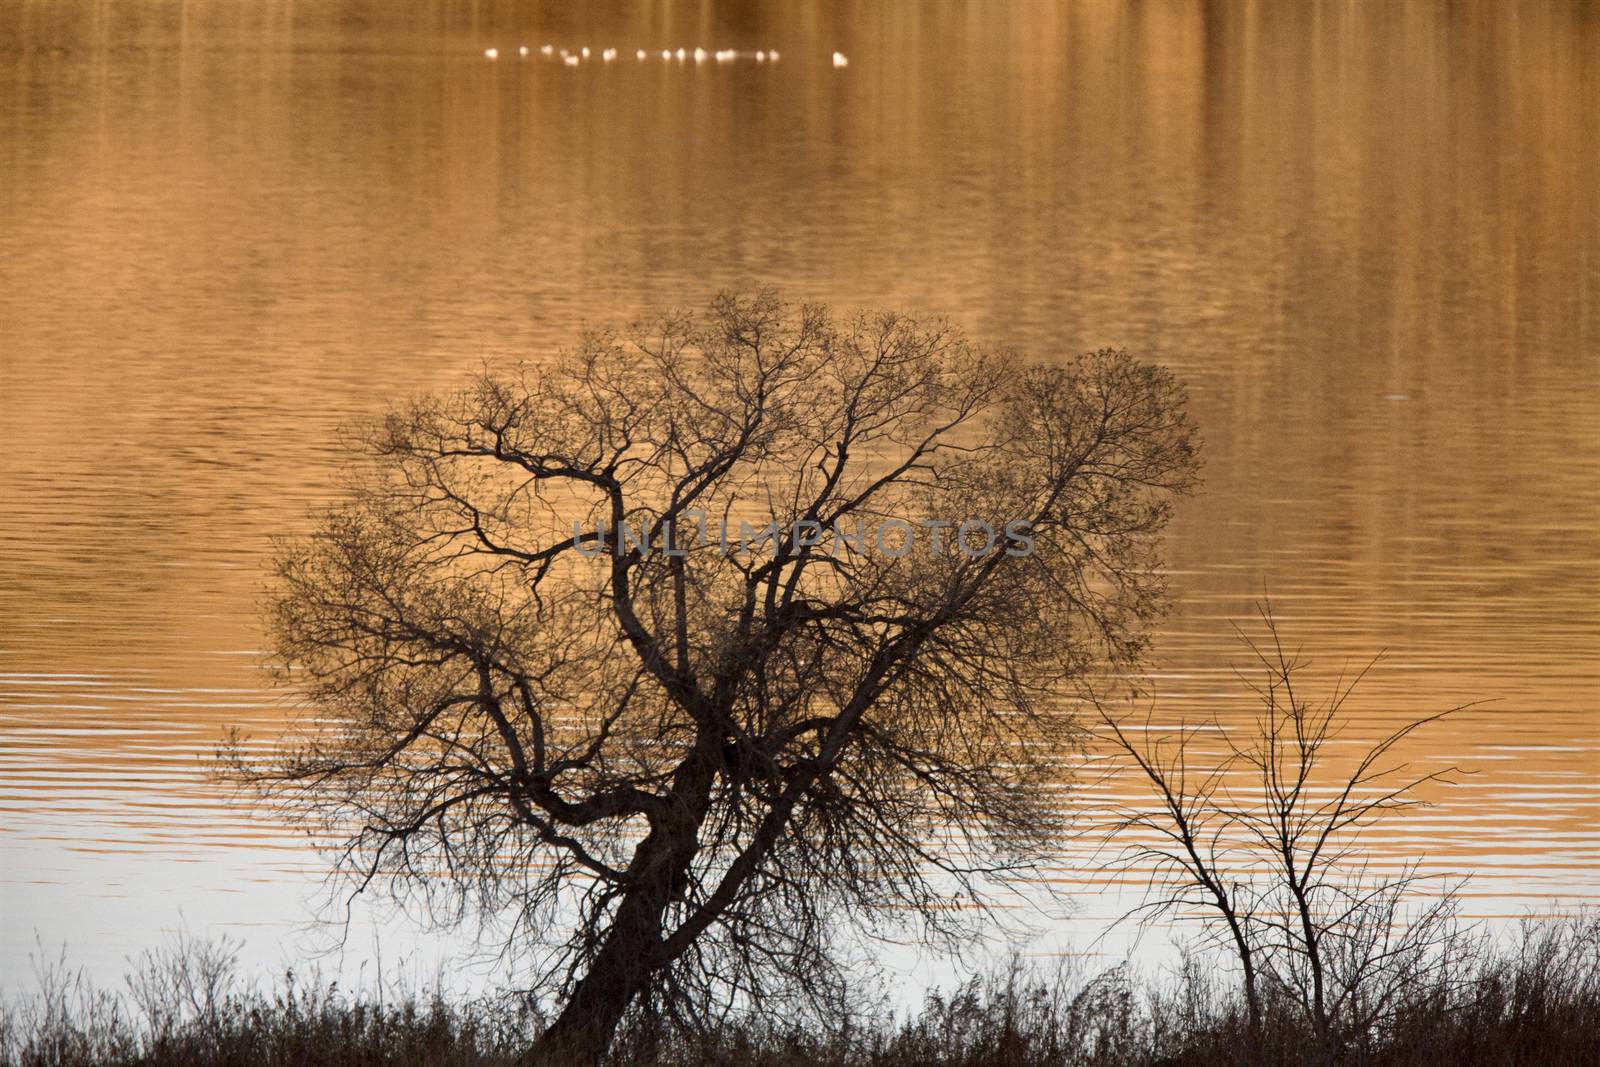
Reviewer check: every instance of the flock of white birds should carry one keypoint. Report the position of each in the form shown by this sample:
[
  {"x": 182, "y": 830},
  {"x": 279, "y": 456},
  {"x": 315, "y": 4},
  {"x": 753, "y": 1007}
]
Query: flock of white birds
[{"x": 572, "y": 58}]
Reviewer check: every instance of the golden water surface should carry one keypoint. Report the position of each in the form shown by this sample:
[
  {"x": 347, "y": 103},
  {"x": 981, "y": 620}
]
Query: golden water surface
[{"x": 1367, "y": 234}]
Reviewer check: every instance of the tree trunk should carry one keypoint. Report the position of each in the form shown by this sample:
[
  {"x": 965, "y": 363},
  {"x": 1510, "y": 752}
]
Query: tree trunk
[
  {"x": 620, "y": 972},
  {"x": 583, "y": 1031},
  {"x": 1252, "y": 999},
  {"x": 631, "y": 954}
]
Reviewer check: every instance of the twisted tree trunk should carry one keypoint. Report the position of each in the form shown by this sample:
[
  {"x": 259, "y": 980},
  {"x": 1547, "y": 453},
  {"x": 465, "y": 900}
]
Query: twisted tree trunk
[
  {"x": 634, "y": 947},
  {"x": 620, "y": 972}
]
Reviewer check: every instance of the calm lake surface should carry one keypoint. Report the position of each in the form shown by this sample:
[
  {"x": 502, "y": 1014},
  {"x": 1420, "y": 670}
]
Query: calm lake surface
[{"x": 1368, "y": 236}]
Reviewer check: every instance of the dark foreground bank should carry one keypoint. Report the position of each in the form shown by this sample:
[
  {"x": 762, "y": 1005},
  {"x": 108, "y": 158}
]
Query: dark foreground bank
[{"x": 1532, "y": 998}]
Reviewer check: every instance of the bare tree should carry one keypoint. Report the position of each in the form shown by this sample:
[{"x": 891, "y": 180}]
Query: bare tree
[
  {"x": 563, "y": 666},
  {"x": 1185, "y": 844},
  {"x": 1261, "y": 831}
]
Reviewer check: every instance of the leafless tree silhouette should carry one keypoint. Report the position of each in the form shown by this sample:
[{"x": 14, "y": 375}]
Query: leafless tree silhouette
[
  {"x": 1260, "y": 830},
  {"x": 686, "y": 768}
]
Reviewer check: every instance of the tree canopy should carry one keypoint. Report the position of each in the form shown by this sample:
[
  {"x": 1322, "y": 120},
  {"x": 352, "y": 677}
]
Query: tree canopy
[{"x": 552, "y": 678}]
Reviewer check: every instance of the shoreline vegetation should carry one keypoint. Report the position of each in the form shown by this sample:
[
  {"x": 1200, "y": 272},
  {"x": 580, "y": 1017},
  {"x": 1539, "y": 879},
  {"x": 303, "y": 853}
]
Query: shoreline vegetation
[{"x": 1528, "y": 995}]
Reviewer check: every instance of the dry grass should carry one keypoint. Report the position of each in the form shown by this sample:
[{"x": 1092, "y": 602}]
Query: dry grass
[{"x": 1533, "y": 998}]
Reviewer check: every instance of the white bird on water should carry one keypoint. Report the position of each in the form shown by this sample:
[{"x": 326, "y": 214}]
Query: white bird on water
[
  {"x": 491, "y": 53},
  {"x": 699, "y": 55},
  {"x": 840, "y": 60}
]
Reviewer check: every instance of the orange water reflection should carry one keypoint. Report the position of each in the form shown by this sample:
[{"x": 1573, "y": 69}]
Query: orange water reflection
[{"x": 1367, "y": 235}]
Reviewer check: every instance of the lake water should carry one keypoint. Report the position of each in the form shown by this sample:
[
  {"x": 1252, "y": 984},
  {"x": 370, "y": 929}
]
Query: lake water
[{"x": 1368, "y": 236}]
